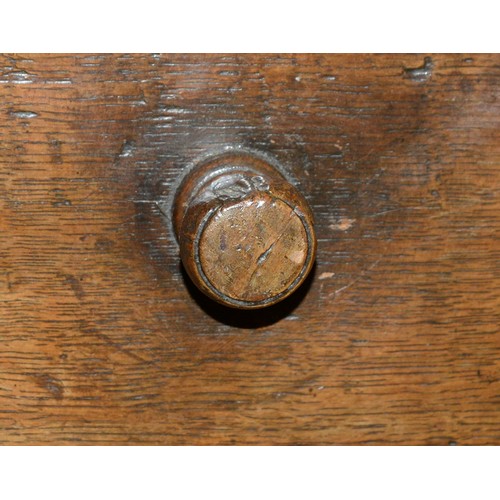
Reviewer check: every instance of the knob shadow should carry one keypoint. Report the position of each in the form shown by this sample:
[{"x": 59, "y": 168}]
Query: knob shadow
[{"x": 244, "y": 318}]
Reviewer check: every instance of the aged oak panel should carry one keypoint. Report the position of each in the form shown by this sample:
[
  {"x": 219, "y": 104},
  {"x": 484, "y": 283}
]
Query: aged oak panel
[{"x": 393, "y": 339}]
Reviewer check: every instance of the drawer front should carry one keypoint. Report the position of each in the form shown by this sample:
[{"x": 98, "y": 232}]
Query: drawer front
[{"x": 393, "y": 337}]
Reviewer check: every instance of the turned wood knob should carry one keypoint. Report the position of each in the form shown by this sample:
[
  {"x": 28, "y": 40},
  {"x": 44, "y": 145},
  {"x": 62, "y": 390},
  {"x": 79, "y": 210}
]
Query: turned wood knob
[{"x": 246, "y": 235}]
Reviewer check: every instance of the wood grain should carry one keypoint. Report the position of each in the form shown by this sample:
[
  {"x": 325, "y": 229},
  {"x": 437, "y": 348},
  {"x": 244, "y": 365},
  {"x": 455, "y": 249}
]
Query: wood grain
[{"x": 395, "y": 337}]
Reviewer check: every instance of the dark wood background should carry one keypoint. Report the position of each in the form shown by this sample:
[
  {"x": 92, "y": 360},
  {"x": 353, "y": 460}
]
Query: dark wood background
[{"x": 394, "y": 339}]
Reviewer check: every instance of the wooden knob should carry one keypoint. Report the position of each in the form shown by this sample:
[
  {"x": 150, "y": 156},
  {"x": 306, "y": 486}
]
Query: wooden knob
[{"x": 246, "y": 235}]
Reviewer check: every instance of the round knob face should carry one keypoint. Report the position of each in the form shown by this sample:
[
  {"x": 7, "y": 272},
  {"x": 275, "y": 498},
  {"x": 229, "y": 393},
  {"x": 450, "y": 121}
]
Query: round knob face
[
  {"x": 253, "y": 250},
  {"x": 246, "y": 235}
]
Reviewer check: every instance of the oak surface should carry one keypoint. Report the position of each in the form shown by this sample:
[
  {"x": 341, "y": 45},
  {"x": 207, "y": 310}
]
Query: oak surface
[{"x": 393, "y": 340}]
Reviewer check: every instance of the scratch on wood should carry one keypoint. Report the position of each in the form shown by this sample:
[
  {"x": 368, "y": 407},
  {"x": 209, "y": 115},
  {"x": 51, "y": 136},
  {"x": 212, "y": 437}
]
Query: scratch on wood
[
  {"x": 422, "y": 73},
  {"x": 343, "y": 224},
  {"x": 354, "y": 281},
  {"x": 324, "y": 276},
  {"x": 23, "y": 114}
]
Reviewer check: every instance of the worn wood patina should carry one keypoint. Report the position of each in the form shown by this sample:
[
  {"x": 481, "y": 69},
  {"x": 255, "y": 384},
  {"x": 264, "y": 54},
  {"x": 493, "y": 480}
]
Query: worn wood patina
[{"x": 392, "y": 339}]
